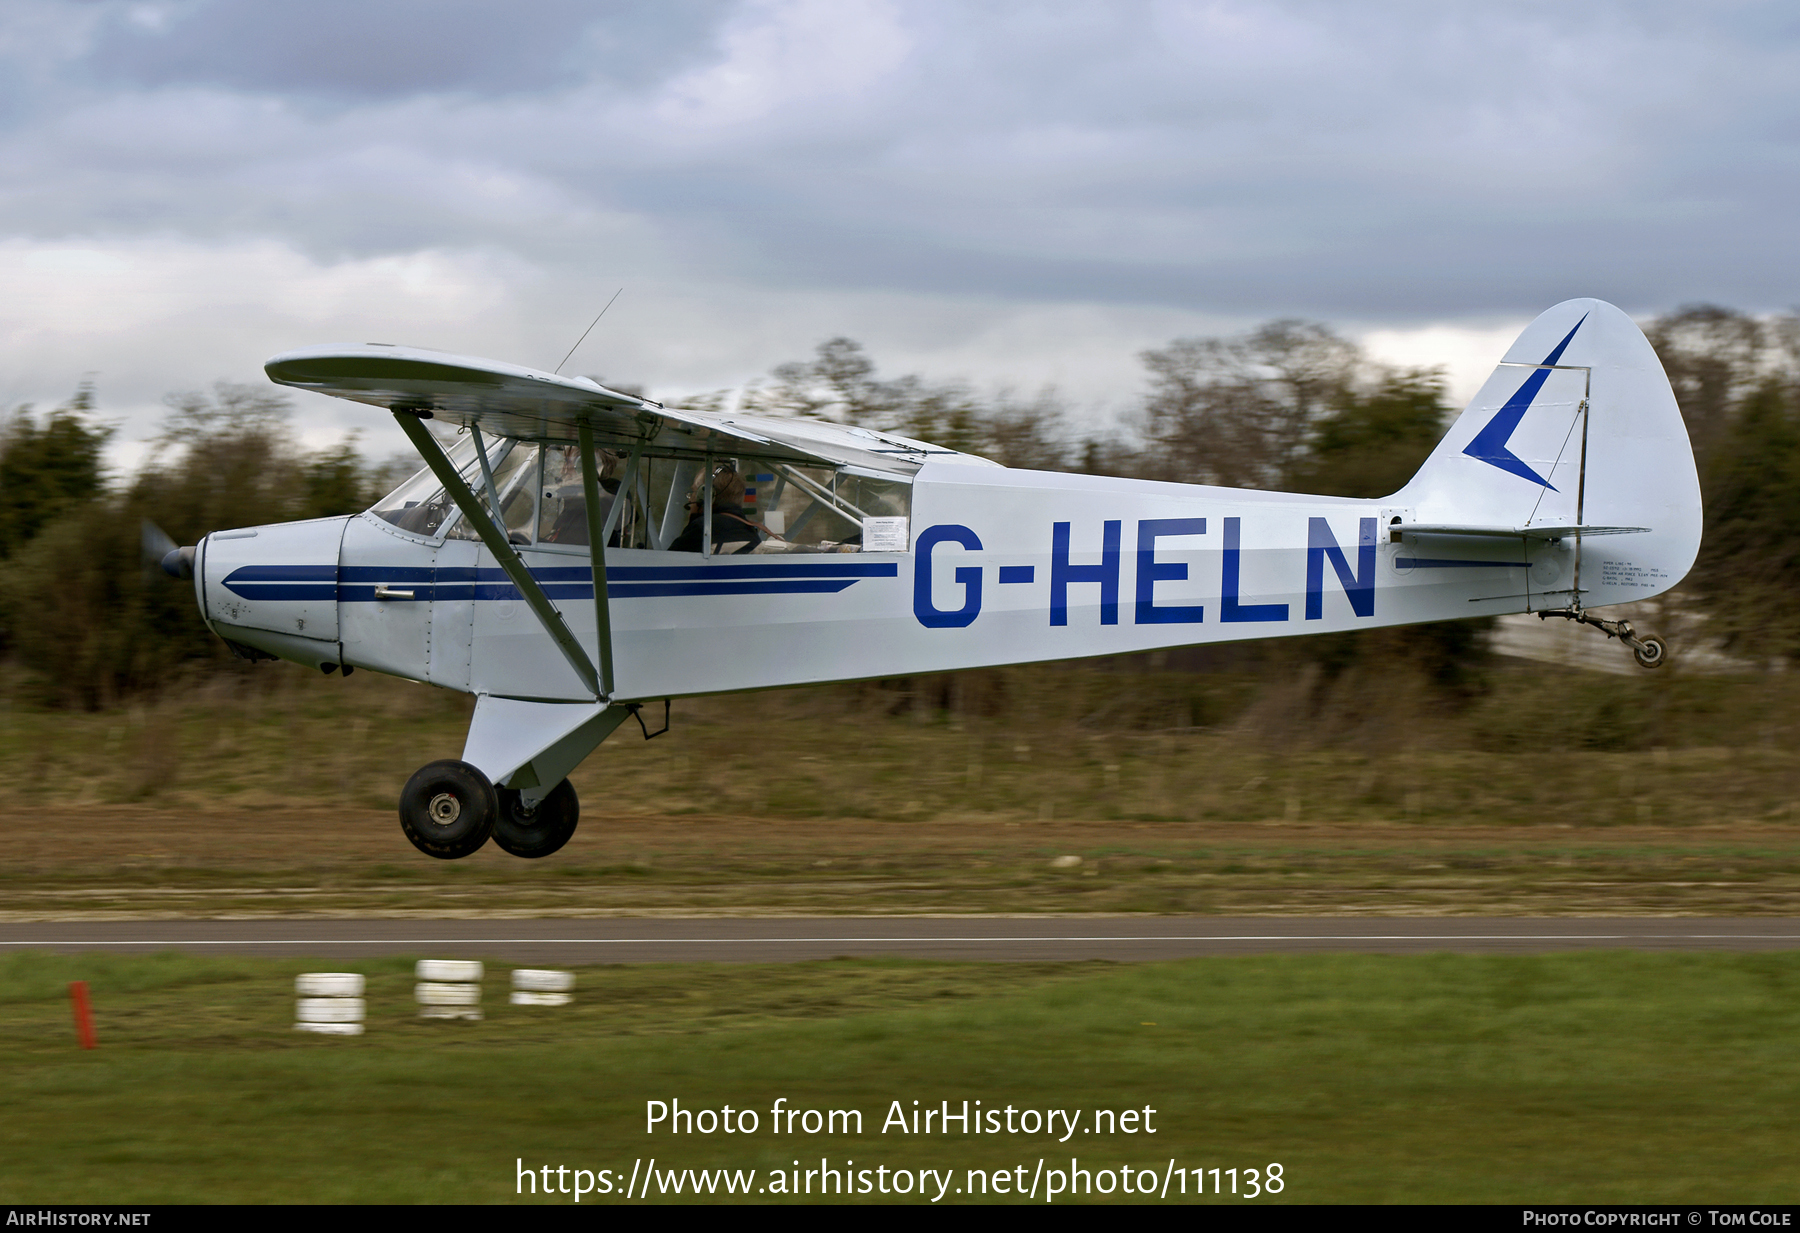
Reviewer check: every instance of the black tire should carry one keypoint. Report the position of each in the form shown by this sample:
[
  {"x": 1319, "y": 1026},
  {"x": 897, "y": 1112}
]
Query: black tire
[
  {"x": 448, "y": 809},
  {"x": 536, "y": 832},
  {"x": 1650, "y": 652}
]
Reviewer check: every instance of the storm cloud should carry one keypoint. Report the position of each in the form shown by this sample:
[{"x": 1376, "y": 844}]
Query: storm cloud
[{"x": 939, "y": 179}]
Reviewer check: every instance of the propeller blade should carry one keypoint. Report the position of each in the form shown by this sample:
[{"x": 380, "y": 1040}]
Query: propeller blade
[
  {"x": 161, "y": 550},
  {"x": 157, "y": 543}
]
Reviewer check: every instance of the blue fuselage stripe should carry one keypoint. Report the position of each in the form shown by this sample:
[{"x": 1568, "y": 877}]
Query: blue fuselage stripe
[{"x": 356, "y": 584}]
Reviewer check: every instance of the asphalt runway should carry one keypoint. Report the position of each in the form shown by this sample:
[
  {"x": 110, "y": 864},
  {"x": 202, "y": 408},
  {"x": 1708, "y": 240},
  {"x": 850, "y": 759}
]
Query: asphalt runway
[{"x": 785, "y": 940}]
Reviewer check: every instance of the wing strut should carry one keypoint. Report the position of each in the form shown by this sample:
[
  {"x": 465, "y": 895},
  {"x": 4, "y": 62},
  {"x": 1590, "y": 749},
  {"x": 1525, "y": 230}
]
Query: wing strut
[
  {"x": 487, "y": 471},
  {"x": 496, "y": 542},
  {"x": 590, "y": 488}
]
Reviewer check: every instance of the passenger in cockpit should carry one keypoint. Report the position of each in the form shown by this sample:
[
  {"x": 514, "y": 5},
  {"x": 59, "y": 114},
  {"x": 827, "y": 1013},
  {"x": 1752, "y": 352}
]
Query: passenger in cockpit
[{"x": 731, "y": 531}]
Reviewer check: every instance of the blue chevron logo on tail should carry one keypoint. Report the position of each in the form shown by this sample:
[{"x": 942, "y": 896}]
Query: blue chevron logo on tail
[{"x": 1489, "y": 444}]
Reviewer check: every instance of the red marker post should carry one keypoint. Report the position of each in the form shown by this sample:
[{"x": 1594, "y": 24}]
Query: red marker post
[{"x": 84, "y": 1013}]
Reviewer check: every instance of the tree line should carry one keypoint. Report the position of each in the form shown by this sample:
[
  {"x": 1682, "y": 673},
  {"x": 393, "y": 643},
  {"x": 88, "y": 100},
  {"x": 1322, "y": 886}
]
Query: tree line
[
  {"x": 1290, "y": 405},
  {"x": 79, "y": 606}
]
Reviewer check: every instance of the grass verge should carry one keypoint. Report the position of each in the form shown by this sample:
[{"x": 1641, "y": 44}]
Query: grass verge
[
  {"x": 1593, "y": 1077},
  {"x": 274, "y": 794}
]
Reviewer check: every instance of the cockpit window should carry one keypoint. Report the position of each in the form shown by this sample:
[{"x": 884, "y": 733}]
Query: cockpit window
[
  {"x": 658, "y": 502},
  {"x": 562, "y": 516},
  {"x": 421, "y": 505},
  {"x": 514, "y": 465},
  {"x": 817, "y": 509}
]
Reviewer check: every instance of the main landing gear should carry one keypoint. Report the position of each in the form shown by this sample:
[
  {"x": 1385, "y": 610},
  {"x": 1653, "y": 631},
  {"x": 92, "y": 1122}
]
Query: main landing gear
[
  {"x": 533, "y": 832},
  {"x": 449, "y": 809},
  {"x": 1649, "y": 650}
]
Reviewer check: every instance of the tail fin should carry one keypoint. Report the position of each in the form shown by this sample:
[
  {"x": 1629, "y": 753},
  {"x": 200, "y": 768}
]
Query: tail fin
[{"x": 1577, "y": 428}]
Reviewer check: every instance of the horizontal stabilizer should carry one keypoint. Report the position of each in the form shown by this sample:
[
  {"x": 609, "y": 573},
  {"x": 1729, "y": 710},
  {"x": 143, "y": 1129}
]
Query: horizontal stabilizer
[{"x": 1535, "y": 532}]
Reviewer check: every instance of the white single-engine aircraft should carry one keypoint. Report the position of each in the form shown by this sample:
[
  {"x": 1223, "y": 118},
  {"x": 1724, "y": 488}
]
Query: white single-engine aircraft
[{"x": 744, "y": 552}]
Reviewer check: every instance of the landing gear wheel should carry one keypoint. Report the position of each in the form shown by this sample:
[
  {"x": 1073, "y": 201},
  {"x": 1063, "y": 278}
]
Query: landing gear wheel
[
  {"x": 448, "y": 809},
  {"x": 532, "y": 833},
  {"x": 1650, "y": 652}
]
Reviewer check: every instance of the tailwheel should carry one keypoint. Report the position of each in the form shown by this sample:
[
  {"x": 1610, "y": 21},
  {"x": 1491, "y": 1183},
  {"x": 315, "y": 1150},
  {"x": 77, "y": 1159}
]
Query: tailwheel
[
  {"x": 448, "y": 809},
  {"x": 1649, "y": 650},
  {"x": 532, "y": 833}
]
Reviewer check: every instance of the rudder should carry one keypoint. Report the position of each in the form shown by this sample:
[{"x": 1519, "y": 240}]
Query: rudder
[{"x": 1577, "y": 426}]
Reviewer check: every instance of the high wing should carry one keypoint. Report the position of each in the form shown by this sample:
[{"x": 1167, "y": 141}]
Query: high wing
[{"x": 507, "y": 400}]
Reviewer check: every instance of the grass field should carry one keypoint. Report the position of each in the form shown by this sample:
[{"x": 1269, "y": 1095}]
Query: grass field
[
  {"x": 1599, "y": 1077},
  {"x": 1541, "y": 746},
  {"x": 1181, "y": 792}
]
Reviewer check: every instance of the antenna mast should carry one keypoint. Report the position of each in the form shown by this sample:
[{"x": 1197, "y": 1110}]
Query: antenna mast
[{"x": 589, "y": 330}]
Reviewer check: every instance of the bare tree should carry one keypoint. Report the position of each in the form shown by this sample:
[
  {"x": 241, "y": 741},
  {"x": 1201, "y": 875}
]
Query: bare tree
[
  {"x": 1240, "y": 411},
  {"x": 839, "y": 383},
  {"x": 1714, "y": 358},
  {"x": 1029, "y": 435}
]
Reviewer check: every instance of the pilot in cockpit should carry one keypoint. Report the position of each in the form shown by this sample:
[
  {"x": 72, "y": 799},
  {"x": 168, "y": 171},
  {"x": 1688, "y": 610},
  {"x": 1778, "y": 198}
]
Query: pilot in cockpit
[{"x": 731, "y": 530}]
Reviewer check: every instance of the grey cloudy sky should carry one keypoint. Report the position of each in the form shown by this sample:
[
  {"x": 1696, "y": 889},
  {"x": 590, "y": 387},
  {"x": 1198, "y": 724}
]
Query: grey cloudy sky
[{"x": 1006, "y": 193}]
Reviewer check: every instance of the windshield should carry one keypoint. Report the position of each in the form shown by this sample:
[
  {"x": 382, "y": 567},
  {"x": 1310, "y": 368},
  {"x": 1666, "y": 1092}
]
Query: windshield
[
  {"x": 513, "y": 465},
  {"x": 421, "y": 505}
]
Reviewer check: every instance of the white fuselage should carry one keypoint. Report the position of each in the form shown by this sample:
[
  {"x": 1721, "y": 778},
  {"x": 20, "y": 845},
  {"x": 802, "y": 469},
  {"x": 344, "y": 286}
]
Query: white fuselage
[{"x": 1002, "y": 567}]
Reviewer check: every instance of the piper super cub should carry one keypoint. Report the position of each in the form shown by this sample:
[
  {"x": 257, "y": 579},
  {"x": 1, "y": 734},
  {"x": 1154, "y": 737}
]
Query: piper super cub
[{"x": 580, "y": 552}]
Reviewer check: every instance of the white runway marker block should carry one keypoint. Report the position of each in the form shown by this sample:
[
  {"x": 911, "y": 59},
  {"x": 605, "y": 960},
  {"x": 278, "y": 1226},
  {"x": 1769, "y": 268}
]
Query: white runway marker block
[
  {"x": 449, "y": 988},
  {"x": 436, "y": 993},
  {"x": 330, "y": 1010},
  {"x": 329, "y": 984},
  {"x": 330, "y": 1003},
  {"x": 525, "y": 997},
  {"x": 542, "y": 980}
]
